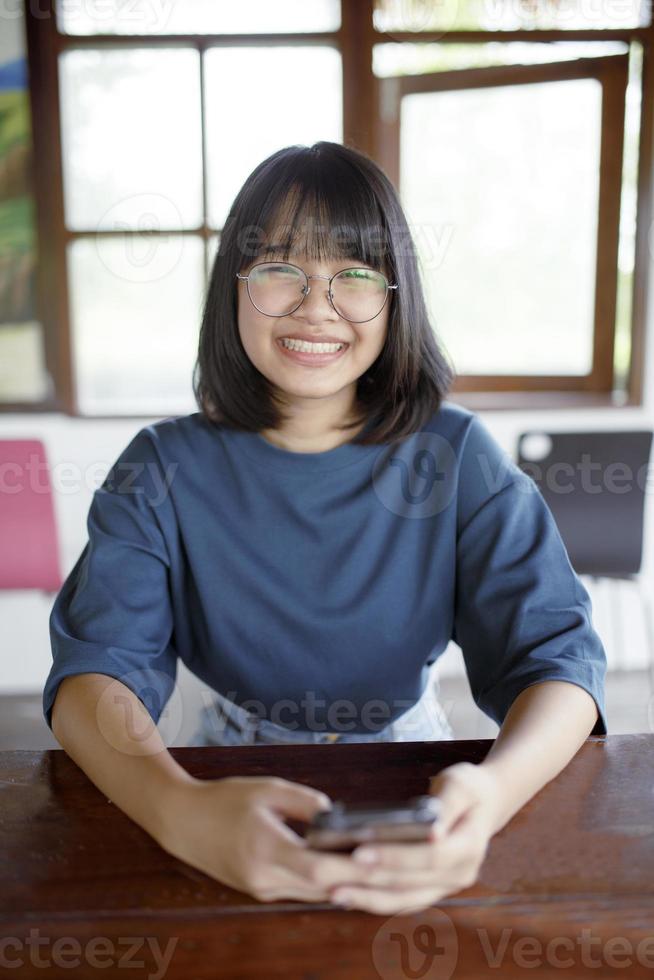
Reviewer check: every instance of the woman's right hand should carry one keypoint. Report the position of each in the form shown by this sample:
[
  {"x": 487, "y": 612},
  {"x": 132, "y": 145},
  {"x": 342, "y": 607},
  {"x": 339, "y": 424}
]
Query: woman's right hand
[{"x": 233, "y": 829}]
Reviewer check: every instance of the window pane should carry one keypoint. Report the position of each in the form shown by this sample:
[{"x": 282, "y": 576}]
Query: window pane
[
  {"x": 498, "y": 15},
  {"x": 247, "y": 117},
  {"x": 136, "y": 307},
  {"x": 417, "y": 59},
  {"x": 132, "y": 144},
  {"x": 197, "y": 16},
  {"x": 23, "y": 376},
  {"x": 508, "y": 249}
]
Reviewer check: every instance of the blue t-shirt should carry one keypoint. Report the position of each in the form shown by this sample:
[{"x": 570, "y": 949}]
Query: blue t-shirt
[{"x": 323, "y": 581}]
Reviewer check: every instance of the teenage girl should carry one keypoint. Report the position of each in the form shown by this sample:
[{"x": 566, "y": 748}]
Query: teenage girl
[{"x": 308, "y": 543}]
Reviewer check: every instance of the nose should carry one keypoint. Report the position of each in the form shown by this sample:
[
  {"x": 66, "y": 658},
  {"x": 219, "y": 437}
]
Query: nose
[{"x": 316, "y": 306}]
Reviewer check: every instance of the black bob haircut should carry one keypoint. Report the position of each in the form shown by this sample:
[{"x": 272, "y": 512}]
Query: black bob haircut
[{"x": 337, "y": 204}]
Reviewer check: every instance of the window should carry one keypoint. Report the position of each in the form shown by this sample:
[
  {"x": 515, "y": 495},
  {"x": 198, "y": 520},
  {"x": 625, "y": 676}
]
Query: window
[
  {"x": 510, "y": 195},
  {"x": 158, "y": 128},
  {"x": 530, "y": 209}
]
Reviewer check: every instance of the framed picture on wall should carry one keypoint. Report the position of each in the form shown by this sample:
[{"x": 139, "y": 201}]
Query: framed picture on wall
[{"x": 23, "y": 377}]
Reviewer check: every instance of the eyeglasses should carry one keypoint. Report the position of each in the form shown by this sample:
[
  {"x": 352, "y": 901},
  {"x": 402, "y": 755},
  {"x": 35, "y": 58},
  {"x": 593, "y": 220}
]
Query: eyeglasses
[{"x": 277, "y": 289}]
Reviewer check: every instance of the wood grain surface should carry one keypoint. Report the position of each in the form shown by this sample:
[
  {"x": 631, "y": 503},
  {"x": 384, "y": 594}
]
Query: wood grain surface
[{"x": 566, "y": 890}]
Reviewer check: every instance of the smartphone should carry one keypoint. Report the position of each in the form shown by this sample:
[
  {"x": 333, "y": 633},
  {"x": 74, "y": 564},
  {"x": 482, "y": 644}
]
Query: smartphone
[{"x": 347, "y": 825}]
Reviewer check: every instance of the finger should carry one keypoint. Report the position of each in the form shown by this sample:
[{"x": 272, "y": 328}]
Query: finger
[
  {"x": 403, "y": 857},
  {"x": 280, "y": 832},
  {"x": 394, "y": 864},
  {"x": 288, "y": 886},
  {"x": 293, "y": 871},
  {"x": 445, "y": 870},
  {"x": 314, "y": 876},
  {"x": 294, "y": 799},
  {"x": 327, "y": 873},
  {"x": 319, "y": 869},
  {"x": 388, "y": 902},
  {"x": 301, "y": 874},
  {"x": 402, "y": 880},
  {"x": 323, "y": 869}
]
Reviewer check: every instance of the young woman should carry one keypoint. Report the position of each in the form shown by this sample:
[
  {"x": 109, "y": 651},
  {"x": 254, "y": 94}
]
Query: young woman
[{"x": 308, "y": 543}]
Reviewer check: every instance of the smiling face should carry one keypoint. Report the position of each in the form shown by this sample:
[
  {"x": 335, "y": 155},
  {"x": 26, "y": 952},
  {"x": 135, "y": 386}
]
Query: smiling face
[{"x": 296, "y": 375}]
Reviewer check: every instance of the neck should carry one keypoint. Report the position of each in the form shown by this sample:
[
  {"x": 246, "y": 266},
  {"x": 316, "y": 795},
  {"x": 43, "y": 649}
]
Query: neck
[{"x": 313, "y": 427}]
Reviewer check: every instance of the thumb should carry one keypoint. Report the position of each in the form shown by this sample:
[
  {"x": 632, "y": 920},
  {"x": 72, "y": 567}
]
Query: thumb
[
  {"x": 295, "y": 799},
  {"x": 454, "y": 802}
]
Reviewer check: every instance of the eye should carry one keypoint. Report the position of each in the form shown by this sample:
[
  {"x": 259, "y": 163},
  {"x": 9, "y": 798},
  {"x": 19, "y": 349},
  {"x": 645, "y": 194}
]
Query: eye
[
  {"x": 277, "y": 270},
  {"x": 361, "y": 278}
]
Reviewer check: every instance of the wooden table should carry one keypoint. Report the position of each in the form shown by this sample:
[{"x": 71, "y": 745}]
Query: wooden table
[{"x": 568, "y": 883}]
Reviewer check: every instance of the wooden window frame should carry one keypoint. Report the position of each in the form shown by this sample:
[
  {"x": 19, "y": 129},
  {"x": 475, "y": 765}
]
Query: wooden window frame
[
  {"x": 355, "y": 39},
  {"x": 611, "y": 72}
]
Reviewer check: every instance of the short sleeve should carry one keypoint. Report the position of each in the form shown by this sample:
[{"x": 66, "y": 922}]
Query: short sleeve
[
  {"x": 113, "y": 614},
  {"x": 522, "y": 615}
]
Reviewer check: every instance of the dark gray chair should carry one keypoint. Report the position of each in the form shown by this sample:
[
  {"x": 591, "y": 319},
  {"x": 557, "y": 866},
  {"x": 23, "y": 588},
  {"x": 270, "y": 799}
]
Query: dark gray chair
[{"x": 595, "y": 485}]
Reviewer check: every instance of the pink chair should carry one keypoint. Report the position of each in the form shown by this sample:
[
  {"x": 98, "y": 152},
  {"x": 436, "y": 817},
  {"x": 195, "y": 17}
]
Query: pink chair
[{"x": 29, "y": 550}]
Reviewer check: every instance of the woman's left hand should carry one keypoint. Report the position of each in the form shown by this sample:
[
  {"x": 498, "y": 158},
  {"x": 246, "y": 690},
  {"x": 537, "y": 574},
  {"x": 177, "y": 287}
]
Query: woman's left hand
[{"x": 407, "y": 877}]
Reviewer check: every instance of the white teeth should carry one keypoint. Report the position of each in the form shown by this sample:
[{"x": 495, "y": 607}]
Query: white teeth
[{"x": 304, "y": 345}]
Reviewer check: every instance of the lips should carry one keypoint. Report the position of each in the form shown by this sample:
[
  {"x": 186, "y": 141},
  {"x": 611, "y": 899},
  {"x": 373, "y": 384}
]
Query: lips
[
  {"x": 313, "y": 338},
  {"x": 309, "y": 359}
]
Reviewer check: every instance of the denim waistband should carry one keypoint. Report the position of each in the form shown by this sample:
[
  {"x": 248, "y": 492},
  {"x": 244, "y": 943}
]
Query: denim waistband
[
  {"x": 424, "y": 720},
  {"x": 250, "y": 722}
]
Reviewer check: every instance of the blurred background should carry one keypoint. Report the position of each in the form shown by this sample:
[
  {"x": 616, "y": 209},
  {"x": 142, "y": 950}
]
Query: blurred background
[{"x": 519, "y": 135}]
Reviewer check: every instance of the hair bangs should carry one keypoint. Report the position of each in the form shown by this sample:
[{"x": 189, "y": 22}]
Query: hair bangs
[{"x": 321, "y": 214}]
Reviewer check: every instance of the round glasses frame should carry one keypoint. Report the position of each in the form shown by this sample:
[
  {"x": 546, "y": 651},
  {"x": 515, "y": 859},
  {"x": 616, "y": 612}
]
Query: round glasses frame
[{"x": 307, "y": 290}]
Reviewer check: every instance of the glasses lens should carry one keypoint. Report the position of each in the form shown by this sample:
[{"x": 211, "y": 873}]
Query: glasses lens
[
  {"x": 359, "y": 294},
  {"x": 275, "y": 288}
]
